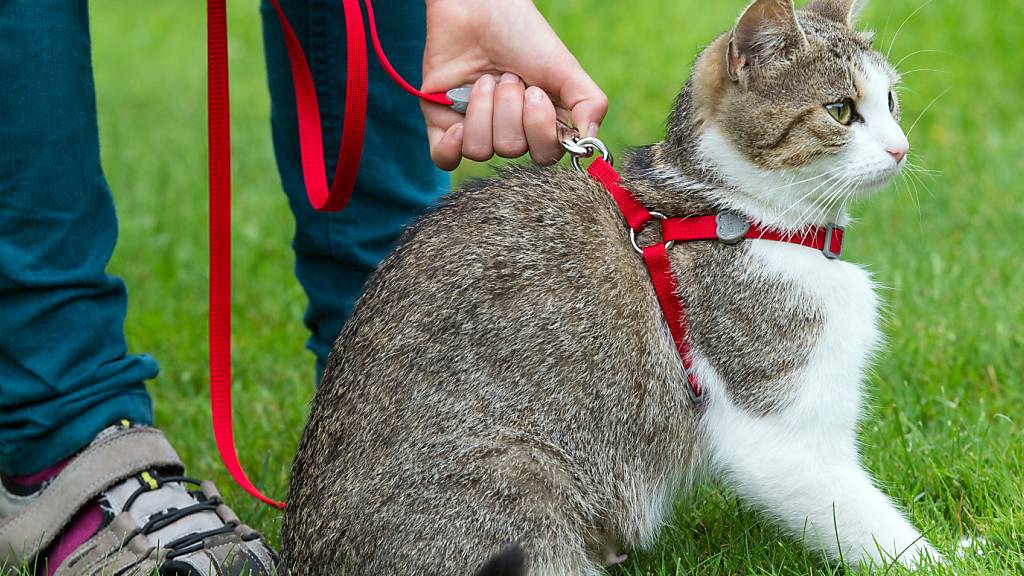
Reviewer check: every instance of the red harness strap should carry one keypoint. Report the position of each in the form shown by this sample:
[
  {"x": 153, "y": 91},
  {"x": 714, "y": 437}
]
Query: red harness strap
[
  {"x": 706, "y": 228},
  {"x": 827, "y": 239},
  {"x": 322, "y": 197}
]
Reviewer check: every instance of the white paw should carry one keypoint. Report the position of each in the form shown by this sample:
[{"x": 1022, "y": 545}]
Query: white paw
[
  {"x": 919, "y": 554},
  {"x": 970, "y": 546}
]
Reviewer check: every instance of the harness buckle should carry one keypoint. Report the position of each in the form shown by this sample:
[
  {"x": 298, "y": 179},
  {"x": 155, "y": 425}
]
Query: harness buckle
[
  {"x": 827, "y": 248},
  {"x": 632, "y": 235}
]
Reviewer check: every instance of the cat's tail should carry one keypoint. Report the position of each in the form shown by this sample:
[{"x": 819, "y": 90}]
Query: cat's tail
[{"x": 509, "y": 562}]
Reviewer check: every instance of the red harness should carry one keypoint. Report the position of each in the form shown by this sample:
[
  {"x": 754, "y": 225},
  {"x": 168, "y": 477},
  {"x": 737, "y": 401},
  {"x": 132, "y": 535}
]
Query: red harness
[
  {"x": 724, "y": 227},
  {"x": 721, "y": 227}
]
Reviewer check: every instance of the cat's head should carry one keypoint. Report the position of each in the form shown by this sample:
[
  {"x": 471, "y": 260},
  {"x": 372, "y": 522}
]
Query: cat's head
[{"x": 797, "y": 111}]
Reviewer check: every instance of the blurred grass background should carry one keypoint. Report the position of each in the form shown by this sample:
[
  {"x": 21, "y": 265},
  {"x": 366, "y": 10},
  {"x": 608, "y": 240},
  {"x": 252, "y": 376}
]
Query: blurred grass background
[{"x": 944, "y": 431}]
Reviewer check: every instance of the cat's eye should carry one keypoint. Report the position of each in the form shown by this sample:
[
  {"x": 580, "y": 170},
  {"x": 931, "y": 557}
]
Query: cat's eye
[
  {"x": 842, "y": 111},
  {"x": 892, "y": 102}
]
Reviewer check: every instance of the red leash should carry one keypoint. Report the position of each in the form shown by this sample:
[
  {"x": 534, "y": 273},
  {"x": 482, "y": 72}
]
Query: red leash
[
  {"x": 724, "y": 227},
  {"x": 322, "y": 197},
  {"x": 354, "y": 127}
]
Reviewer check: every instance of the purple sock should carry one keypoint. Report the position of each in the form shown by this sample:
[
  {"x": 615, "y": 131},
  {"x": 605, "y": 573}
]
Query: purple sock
[{"x": 81, "y": 527}]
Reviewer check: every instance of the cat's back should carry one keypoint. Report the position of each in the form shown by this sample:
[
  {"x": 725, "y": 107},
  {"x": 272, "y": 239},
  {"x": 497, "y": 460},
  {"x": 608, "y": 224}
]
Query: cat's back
[
  {"x": 528, "y": 265},
  {"x": 526, "y": 278}
]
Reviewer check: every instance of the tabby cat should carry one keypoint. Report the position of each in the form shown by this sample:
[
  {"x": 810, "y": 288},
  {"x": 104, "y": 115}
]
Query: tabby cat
[{"x": 507, "y": 399}]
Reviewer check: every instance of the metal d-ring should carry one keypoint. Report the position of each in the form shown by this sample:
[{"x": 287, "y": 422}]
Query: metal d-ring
[
  {"x": 584, "y": 148},
  {"x": 632, "y": 235}
]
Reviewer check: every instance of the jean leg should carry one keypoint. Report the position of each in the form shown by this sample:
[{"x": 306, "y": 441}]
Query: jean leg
[
  {"x": 64, "y": 368},
  {"x": 336, "y": 253}
]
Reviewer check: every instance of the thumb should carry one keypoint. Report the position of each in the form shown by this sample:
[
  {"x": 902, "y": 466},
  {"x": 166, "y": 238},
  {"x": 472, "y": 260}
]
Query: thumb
[{"x": 578, "y": 93}]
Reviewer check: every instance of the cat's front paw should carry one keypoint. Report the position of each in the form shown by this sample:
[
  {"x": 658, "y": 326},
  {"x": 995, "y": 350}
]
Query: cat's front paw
[
  {"x": 912, "y": 556},
  {"x": 971, "y": 546}
]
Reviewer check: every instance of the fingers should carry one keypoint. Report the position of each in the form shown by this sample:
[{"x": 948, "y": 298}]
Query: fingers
[
  {"x": 509, "y": 120},
  {"x": 509, "y": 136},
  {"x": 503, "y": 118},
  {"x": 539, "y": 123},
  {"x": 446, "y": 146},
  {"x": 478, "y": 143},
  {"x": 445, "y": 134},
  {"x": 588, "y": 114}
]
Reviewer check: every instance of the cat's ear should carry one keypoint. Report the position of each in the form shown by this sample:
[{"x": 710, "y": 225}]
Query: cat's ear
[
  {"x": 766, "y": 32},
  {"x": 842, "y": 11}
]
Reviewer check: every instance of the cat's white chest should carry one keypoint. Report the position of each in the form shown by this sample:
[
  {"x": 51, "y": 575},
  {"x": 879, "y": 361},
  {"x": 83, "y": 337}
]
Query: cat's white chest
[{"x": 849, "y": 333}]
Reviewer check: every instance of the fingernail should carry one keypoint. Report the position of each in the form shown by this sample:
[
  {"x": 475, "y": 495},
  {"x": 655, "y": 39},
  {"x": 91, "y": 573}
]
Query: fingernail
[
  {"x": 534, "y": 95},
  {"x": 457, "y": 132},
  {"x": 486, "y": 83},
  {"x": 592, "y": 130},
  {"x": 509, "y": 78}
]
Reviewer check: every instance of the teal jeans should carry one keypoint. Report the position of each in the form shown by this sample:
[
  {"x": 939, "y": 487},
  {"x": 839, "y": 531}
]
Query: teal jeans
[{"x": 65, "y": 371}]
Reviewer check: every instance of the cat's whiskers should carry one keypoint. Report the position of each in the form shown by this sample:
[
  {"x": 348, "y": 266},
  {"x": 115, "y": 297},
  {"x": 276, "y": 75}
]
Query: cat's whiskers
[
  {"x": 780, "y": 219},
  {"x": 817, "y": 205},
  {"x": 829, "y": 212},
  {"x": 846, "y": 204},
  {"x": 831, "y": 177},
  {"x": 807, "y": 205},
  {"x": 921, "y": 170},
  {"x": 892, "y": 42},
  {"x": 909, "y": 72},
  {"x": 838, "y": 206},
  {"x": 915, "y": 195},
  {"x": 902, "y": 89},
  {"x": 828, "y": 176},
  {"x": 811, "y": 179},
  {"x": 926, "y": 108},
  {"x": 801, "y": 200},
  {"x": 915, "y": 174},
  {"x": 911, "y": 189},
  {"x": 916, "y": 52},
  {"x": 823, "y": 206}
]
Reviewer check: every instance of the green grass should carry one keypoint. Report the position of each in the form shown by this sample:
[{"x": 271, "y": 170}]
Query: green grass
[{"x": 943, "y": 433}]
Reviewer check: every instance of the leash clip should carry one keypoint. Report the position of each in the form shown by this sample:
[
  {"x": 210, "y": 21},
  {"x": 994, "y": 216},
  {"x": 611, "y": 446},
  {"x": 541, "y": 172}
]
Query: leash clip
[
  {"x": 585, "y": 148},
  {"x": 570, "y": 137}
]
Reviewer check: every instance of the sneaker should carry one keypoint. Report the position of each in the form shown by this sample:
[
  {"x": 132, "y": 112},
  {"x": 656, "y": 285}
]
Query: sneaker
[{"x": 123, "y": 507}]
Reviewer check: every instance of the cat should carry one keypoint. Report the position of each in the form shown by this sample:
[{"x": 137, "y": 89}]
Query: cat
[{"x": 506, "y": 397}]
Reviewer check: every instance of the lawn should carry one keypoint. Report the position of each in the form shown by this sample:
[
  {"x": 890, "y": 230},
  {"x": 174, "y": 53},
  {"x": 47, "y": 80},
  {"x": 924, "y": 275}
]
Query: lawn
[{"x": 943, "y": 432}]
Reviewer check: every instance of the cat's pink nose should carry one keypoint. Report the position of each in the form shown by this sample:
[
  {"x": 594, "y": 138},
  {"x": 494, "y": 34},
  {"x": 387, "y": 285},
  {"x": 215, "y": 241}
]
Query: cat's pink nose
[{"x": 899, "y": 151}]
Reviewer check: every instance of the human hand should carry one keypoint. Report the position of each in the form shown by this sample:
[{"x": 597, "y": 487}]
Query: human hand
[{"x": 502, "y": 44}]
